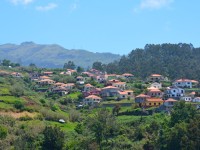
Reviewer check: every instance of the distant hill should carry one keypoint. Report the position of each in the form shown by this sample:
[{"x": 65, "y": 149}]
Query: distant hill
[{"x": 52, "y": 56}]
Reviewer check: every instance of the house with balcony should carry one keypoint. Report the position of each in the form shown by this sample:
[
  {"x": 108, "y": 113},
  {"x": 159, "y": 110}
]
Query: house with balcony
[{"x": 174, "y": 92}]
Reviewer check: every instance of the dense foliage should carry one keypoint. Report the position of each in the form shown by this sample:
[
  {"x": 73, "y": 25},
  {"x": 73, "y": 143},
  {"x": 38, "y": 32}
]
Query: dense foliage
[{"x": 172, "y": 60}]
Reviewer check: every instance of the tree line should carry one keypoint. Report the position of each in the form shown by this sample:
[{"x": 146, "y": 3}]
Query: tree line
[{"x": 172, "y": 60}]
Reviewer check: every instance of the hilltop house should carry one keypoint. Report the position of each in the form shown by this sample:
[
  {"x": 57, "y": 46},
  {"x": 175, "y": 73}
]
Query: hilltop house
[
  {"x": 88, "y": 88},
  {"x": 156, "y": 85},
  {"x": 174, "y": 92},
  {"x": 120, "y": 85},
  {"x": 155, "y": 92},
  {"x": 125, "y": 94},
  {"x": 80, "y": 80},
  {"x": 155, "y": 78},
  {"x": 169, "y": 103},
  {"x": 147, "y": 101},
  {"x": 127, "y": 76},
  {"x": 92, "y": 100},
  {"x": 46, "y": 82},
  {"x": 47, "y": 73},
  {"x": 69, "y": 86},
  {"x": 60, "y": 90},
  {"x": 44, "y": 77},
  {"x": 153, "y": 102},
  {"x": 109, "y": 91},
  {"x": 141, "y": 98},
  {"x": 184, "y": 83},
  {"x": 34, "y": 76},
  {"x": 16, "y": 74}
]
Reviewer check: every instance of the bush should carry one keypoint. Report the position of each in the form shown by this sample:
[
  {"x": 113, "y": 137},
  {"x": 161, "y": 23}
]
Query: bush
[
  {"x": 25, "y": 118},
  {"x": 74, "y": 115},
  {"x": 17, "y": 90},
  {"x": 19, "y": 105},
  {"x": 3, "y": 132}
]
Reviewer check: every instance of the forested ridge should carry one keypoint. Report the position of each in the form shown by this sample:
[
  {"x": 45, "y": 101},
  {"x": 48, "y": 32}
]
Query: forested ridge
[{"x": 172, "y": 60}]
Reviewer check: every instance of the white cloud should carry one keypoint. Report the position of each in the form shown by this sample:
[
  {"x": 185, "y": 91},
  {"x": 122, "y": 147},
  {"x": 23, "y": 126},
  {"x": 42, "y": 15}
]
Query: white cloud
[
  {"x": 153, "y": 4},
  {"x": 24, "y": 2},
  {"x": 48, "y": 7}
]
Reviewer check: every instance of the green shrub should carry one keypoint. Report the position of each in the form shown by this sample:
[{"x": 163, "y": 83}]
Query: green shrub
[
  {"x": 3, "y": 132},
  {"x": 19, "y": 105}
]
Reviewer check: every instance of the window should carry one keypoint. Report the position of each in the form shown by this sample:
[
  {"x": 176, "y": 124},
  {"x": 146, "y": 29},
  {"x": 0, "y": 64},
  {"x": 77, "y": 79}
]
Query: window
[
  {"x": 174, "y": 91},
  {"x": 154, "y": 104},
  {"x": 129, "y": 93},
  {"x": 172, "y": 95},
  {"x": 149, "y": 103},
  {"x": 158, "y": 103}
]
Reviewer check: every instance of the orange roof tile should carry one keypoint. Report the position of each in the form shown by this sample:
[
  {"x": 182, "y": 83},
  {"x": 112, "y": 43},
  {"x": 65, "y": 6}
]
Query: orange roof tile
[
  {"x": 143, "y": 95},
  {"x": 156, "y": 75},
  {"x": 93, "y": 97},
  {"x": 154, "y": 90},
  {"x": 89, "y": 85},
  {"x": 110, "y": 87},
  {"x": 171, "y": 100},
  {"x": 121, "y": 83},
  {"x": 154, "y": 100}
]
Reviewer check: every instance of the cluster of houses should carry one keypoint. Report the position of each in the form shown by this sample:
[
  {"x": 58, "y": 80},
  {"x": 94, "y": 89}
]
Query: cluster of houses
[{"x": 114, "y": 88}]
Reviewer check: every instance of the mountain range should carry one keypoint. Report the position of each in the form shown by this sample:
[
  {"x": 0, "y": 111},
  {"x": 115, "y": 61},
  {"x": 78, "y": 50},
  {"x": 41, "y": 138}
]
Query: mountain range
[{"x": 52, "y": 56}]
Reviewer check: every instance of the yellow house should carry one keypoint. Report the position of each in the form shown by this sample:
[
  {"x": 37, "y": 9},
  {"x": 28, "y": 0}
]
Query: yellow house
[{"x": 153, "y": 102}]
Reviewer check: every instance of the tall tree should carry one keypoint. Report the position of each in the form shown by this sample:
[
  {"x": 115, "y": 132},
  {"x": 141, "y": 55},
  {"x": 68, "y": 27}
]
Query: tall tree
[
  {"x": 69, "y": 65},
  {"x": 97, "y": 65},
  {"x": 53, "y": 138}
]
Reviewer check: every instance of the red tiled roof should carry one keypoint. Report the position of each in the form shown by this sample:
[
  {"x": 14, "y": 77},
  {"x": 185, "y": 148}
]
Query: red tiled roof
[
  {"x": 154, "y": 90},
  {"x": 171, "y": 100},
  {"x": 186, "y": 80},
  {"x": 156, "y": 75},
  {"x": 143, "y": 95},
  {"x": 121, "y": 83},
  {"x": 110, "y": 87},
  {"x": 154, "y": 100},
  {"x": 44, "y": 77},
  {"x": 93, "y": 97}
]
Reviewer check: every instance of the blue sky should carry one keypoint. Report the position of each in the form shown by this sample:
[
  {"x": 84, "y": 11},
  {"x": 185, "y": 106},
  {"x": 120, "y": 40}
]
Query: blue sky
[{"x": 116, "y": 26}]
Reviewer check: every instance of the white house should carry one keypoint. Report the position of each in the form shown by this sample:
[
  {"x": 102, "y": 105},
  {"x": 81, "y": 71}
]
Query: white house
[
  {"x": 184, "y": 83},
  {"x": 175, "y": 92},
  {"x": 156, "y": 85}
]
